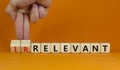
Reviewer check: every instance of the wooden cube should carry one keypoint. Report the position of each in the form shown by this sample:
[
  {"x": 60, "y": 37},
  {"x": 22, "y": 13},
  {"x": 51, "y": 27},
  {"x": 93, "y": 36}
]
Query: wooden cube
[
  {"x": 35, "y": 48},
  {"x": 95, "y": 48},
  {"x": 65, "y": 47},
  {"x": 55, "y": 47},
  {"x": 75, "y": 47},
  {"x": 15, "y": 46},
  {"x": 25, "y": 46},
  {"x": 105, "y": 47},
  {"x": 85, "y": 47},
  {"x": 45, "y": 47}
]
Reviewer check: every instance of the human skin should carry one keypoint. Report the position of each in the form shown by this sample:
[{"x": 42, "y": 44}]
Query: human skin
[{"x": 24, "y": 11}]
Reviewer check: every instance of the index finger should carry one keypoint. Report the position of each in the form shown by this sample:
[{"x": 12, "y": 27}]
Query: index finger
[{"x": 19, "y": 25}]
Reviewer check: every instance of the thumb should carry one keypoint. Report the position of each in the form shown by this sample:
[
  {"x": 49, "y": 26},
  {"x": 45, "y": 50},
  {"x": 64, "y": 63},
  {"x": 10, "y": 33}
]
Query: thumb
[
  {"x": 11, "y": 10},
  {"x": 45, "y": 3}
]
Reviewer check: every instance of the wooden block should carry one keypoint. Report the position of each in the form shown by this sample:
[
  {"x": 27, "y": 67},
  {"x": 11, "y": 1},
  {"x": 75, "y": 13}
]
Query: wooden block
[
  {"x": 45, "y": 47},
  {"x": 55, "y": 47},
  {"x": 85, "y": 47},
  {"x": 35, "y": 48},
  {"x": 25, "y": 46},
  {"x": 75, "y": 47},
  {"x": 15, "y": 46},
  {"x": 65, "y": 47},
  {"x": 95, "y": 48},
  {"x": 105, "y": 47}
]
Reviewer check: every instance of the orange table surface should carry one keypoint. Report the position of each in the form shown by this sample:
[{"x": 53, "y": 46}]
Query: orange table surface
[{"x": 30, "y": 61}]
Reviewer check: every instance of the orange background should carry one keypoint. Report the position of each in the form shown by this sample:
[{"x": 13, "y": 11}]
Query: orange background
[
  {"x": 67, "y": 21},
  {"x": 70, "y": 21}
]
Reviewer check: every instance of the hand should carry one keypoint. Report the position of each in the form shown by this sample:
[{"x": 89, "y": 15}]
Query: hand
[{"x": 21, "y": 10}]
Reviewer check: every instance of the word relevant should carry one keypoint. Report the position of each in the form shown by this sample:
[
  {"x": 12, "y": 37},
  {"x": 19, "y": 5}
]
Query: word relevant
[{"x": 25, "y": 46}]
